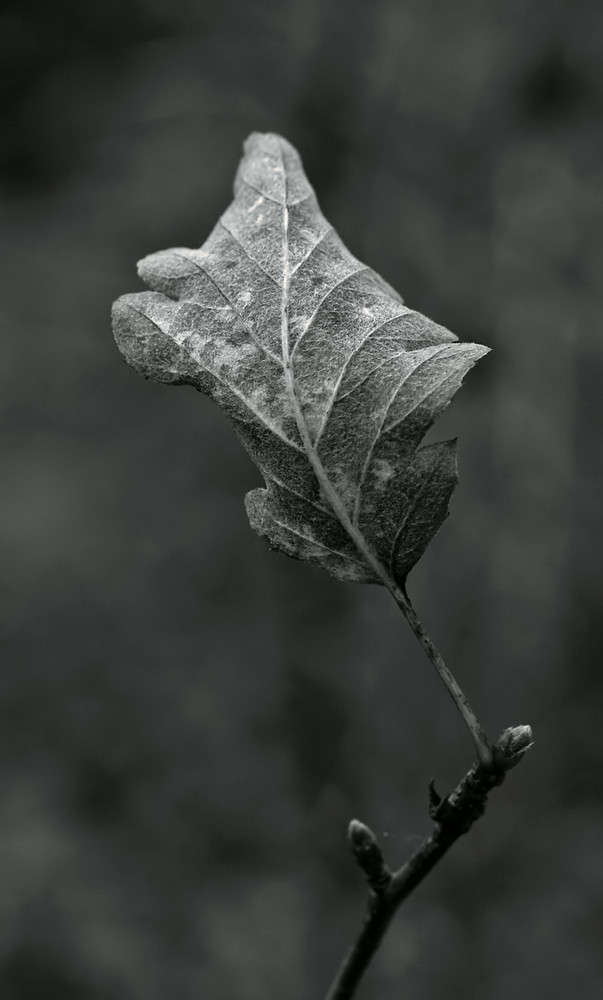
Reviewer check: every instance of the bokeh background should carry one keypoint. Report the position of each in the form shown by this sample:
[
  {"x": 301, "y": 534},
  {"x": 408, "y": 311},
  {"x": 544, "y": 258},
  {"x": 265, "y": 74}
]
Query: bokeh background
[{"x": 187, "y": 720}]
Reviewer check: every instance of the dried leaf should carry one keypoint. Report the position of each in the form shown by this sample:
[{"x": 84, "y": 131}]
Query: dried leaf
[{"x": 330, "y": 380}]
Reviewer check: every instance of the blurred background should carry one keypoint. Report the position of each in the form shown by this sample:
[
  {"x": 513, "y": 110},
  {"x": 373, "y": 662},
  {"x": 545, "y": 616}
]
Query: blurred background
[{"x": 188, "y": 721}]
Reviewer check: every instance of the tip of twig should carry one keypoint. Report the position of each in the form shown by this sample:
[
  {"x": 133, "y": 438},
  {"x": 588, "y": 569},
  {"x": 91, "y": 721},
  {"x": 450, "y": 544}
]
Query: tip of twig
[
  {"x": 511, "y": 746},
  {"x": 369, "y": 855}
]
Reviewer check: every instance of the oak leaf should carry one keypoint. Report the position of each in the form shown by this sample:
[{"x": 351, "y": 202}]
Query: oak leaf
[{"x": 329, "y": 379}]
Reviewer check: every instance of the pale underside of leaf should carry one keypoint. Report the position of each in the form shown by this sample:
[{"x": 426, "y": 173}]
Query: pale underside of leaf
[{"x": 330, "y": 380}]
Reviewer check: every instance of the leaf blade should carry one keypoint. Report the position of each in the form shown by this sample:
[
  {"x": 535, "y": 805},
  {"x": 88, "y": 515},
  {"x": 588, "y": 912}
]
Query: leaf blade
[{"x": 330, "y": 380}]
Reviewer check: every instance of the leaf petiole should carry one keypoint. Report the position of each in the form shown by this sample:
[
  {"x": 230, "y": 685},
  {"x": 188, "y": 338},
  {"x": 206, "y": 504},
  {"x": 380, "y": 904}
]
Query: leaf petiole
[{"x": 481, "y": 741}]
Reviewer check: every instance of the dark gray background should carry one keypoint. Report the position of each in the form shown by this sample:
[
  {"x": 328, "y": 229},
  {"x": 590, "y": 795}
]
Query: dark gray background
[{"x": 188, "y": 721}]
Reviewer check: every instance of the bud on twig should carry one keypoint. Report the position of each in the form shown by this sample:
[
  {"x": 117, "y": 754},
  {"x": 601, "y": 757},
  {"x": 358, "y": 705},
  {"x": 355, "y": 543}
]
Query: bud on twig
[
  {"x": 512, "y": 745},
  {"x": 369, "y": 856}
]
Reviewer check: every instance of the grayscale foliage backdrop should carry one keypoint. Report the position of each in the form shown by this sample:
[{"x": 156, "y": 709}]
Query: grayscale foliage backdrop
[{"x": 188, "y": 721}]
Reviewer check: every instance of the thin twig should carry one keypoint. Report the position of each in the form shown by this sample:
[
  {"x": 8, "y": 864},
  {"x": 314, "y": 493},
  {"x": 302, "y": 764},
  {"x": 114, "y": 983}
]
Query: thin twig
[{"x": 452, "y": 816}]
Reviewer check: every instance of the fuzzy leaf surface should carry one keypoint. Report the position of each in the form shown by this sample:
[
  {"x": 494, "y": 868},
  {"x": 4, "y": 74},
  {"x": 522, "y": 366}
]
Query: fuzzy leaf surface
[{"x": 329, "y": 379}]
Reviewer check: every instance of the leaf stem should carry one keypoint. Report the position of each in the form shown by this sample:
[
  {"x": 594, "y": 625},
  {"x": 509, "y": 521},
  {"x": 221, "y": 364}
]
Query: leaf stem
[{"x": 481, "y": 741}]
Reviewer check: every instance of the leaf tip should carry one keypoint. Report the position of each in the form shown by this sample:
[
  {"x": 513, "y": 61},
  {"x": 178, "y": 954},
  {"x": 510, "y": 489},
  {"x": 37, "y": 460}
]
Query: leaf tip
[{"x": 266, "y": 142}]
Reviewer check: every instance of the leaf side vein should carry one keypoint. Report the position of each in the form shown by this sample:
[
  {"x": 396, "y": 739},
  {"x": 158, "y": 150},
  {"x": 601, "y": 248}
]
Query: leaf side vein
[
  {"x": 390, "y": 403},
  {"x": 236, "y": 239},
  {"x": 318, "y": 506},
  {"x": 337, "y": 398},
  {"x": 267, "y": 423},
  {"x": 313, "y": 541},
  {"x": 421, "y": 492},
  {"x": 242, "y": 319},
  {"x": 315, "y": 246},
  {"x": 342, "y": 281}
]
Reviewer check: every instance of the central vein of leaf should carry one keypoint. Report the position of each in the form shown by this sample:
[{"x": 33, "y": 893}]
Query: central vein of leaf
[{"x": 326, "y": 485}]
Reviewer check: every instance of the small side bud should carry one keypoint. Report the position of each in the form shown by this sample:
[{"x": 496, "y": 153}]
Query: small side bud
[
  {"x": 360, "y": 836},
  {"x": 512, "y": 745},
  {"x": 435, "y": 800},
  {"x": 369, "y": 855}
]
